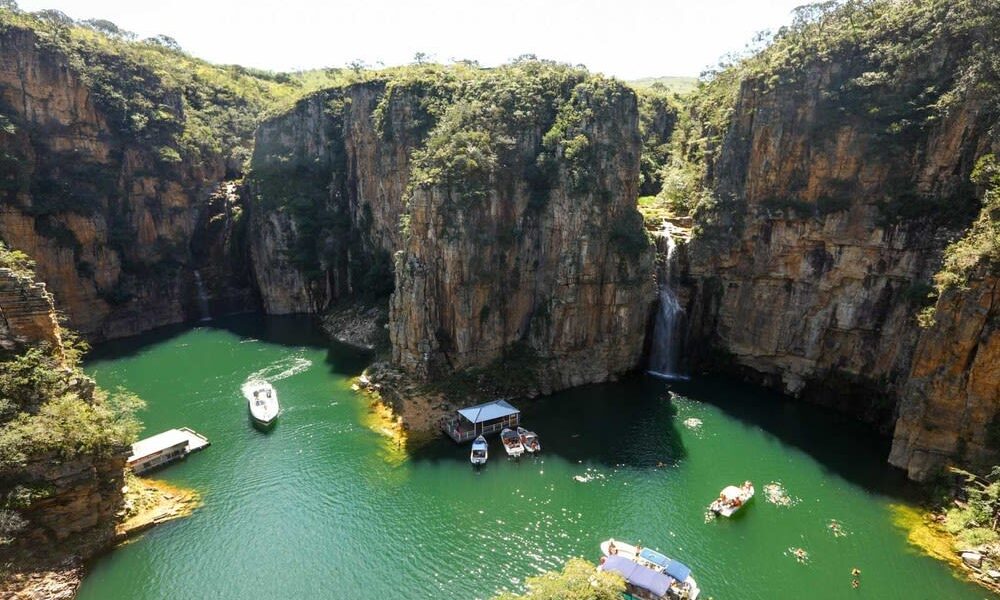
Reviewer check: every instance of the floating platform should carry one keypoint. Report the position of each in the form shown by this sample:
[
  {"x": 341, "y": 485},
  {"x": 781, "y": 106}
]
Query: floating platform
[
  {"x": 482, "y": 419},
  {"x": 164, "y": 448}
]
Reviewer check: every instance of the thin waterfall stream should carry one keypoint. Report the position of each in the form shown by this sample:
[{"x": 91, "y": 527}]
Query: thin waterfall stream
[
  {"x": 665, "y": 355},
  {"x": 206, "y": 313}
]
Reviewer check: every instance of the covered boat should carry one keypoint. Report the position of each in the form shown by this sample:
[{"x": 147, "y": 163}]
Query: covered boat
[
  {"x": 262, "y": 400},
  {"x": 732, "y": 498},
  {"x": 529, "y": 440},
  {"x": 511, "y": 442},
  {"x": 480, "y": 451},
  {"x": 681, "y": 584}
]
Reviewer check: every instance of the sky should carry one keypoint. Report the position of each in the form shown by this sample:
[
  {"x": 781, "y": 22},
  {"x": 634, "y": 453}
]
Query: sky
[{"x": 625, "y": 38}]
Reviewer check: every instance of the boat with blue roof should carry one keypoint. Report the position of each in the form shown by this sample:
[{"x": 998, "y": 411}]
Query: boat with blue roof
[{"x": 648, "y": 574}]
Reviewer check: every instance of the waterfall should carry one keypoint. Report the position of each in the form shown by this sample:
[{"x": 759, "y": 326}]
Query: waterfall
[
  {"x": 664, "y": 359},
  {"x": 206, "y": 314}
]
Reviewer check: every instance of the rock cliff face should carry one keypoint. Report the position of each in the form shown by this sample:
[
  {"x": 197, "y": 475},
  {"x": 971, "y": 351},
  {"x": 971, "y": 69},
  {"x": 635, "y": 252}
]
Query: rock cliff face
[
  {"x": 836, "y": 187},
  {"x": 813, "y": 285},
  {"x": 568, "y": 277},
  {"x": 506, "y": 243},
  {"x": 328, "y": 195},
  {"x": 27, "y": 314},
  {"x": 950, "y": 406},
  {"x": 108, "y": 218}
]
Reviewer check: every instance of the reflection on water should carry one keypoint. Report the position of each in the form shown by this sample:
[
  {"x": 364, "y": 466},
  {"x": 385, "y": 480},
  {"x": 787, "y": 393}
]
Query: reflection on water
[{"x": 325, "y": 506}]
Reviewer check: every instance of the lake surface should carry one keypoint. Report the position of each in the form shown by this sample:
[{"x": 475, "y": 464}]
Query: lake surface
[{"x": 323, "y": 506}]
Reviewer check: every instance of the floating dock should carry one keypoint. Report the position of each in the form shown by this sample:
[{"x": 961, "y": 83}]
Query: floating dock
[
  {"x": 164, "y": 448},
  {"x": 481, "y": 419}
]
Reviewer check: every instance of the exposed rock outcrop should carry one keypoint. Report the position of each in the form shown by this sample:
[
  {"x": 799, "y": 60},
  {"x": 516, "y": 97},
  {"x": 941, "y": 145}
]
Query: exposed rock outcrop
[
  {"x": 108, "y": 216},
  {"x": 523, "y": 240},
  {"x": 59, "y": 506},
  {"x": 568, "y": 276},
  {"x": 836, "y": 185},
  {"x": 27, "y": 314},
  {"x": 950, "y": 406}
]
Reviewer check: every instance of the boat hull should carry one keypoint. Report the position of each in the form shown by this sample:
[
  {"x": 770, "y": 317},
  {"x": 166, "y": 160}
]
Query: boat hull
[{"x": 728, "y": 510}]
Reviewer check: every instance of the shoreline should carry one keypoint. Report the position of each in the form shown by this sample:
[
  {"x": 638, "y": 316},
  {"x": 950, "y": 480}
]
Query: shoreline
[
  {"x": 148, "y": 503},
  {"x": 924, "y": 531}
]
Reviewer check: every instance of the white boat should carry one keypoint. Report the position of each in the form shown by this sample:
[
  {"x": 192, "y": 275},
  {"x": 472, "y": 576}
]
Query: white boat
[
  {"x": 262, "y": 400},
  {"x": 511, "y": 442},
  {"x": 647, "y": 573},
  {"x": 529, "y": 440},
  {"x": 480, "y": 451},
  {"x": 731, "y": 499}
]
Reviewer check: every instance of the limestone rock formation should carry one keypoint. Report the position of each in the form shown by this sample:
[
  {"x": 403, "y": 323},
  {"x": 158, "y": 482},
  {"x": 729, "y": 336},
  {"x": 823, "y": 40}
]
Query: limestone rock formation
[
  {"x": 950, "y": 406},
  {"x": 525, "y": 239},
  {"x": 27, "y": 314},
  {"x": 108, "y": 215}
]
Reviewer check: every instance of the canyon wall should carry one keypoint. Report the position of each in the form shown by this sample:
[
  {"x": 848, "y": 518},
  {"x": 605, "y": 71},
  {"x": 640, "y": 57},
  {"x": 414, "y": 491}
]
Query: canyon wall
[
  {"x": 328, "y": 194},
  {"x": 950, "y": 406},
  {"x": 108, "y": 214},
  {"x": 510, "y": 212},
  {"x": 561, "y": 269},
  {"x": 836, "y": 184}
]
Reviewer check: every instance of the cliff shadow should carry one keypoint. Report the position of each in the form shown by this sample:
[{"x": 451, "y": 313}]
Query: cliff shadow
[
  {"x": 626, "y": 424},
  {"x": 841, "y": 445},
  {"x": 284, "y": 330}
]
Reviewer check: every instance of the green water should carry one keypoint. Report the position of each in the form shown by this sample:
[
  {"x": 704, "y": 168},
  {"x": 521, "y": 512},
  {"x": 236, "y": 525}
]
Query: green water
[{"x": 324, "y": 507}]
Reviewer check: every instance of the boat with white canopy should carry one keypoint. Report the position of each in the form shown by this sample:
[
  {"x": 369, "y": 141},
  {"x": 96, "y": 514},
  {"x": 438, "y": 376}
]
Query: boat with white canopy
[
  {"x": 649, "y": 574},
  {"x": 731, "y": 499}
]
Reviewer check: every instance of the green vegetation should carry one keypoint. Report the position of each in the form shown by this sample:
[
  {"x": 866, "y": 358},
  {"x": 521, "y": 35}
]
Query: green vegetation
[
  {"x": 880, "y": 86},
  {"x": 51, "y": 412},
  {"x": 469, "y": 132},
  {"x": 980, "y": 246},
  {"x": 657, "y": 116},
  {"x": 675, "y": 84},
  {"x": 20, "y": 263},
  {"x": 577, "y": 581},
  {"x": 154, "y": 93},
  {"x": 974, "y": 516}
]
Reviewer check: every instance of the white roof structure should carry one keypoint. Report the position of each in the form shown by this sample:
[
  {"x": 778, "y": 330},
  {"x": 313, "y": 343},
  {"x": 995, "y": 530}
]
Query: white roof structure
[
  {"x": 165, "y": 440},
  {"x": 481, "y": 413}
]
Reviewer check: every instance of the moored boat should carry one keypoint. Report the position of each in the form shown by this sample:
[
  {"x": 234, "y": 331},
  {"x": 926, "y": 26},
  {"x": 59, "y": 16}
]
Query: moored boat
[
  {"x": 511, "y": 442},
  {"x": 649, "y": 574},
  {"x": 529, "y": 439},
  {"x": 262, "y": 399},
  {"x": 480, "y": 451},
  {"x": 732, "y": 498}
]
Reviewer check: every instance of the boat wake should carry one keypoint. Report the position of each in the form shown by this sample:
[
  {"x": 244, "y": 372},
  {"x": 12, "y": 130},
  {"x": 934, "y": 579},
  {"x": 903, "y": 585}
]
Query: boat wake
[{"x": 282, "y": 369}]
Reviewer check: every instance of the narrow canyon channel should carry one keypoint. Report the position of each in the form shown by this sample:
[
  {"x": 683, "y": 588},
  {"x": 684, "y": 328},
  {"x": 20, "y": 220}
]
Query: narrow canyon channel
[{"x": 325, "y": 506}]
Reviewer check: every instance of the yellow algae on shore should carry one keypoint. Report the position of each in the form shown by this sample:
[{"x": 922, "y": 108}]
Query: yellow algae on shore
[
  {"x": 150, "y": 502},
  {"x": 924, "y": 533}
]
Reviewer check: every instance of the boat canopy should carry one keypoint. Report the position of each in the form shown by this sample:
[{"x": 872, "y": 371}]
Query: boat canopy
[
  {"x": 638, "y": 575},
  {"x": 678, "y": 571},
  {"x": 489, "y": 411}
]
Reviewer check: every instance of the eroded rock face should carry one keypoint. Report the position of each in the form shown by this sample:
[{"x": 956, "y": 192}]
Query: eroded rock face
[
  {"x": 66, "y": 507},
  {"x": 329, "y": 192},
  {"x": 478, "y": 276},
  {"x": 108, "y": 220},
  {"x": 950, "y": 404},
  {"x": 830, "y": 225},
  {"x": 808, "y": 281},
  {"x": 27, "y": 314},
  {"x": 558, "y": 270}
]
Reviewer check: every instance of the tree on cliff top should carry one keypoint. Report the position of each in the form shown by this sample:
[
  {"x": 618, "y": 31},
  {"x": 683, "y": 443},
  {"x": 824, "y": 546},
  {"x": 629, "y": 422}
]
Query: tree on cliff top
[{"x": 578, "y": 580}]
